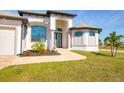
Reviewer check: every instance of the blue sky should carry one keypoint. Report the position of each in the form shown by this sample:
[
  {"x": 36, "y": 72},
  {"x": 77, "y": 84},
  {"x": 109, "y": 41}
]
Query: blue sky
[{"x": 108, "y": 20}]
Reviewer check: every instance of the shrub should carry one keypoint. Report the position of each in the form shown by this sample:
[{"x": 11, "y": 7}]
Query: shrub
[
  {"x": 42, "y": 51},
  {"x": 37, "y": 47},
  {"x": 27, "y": 53}
]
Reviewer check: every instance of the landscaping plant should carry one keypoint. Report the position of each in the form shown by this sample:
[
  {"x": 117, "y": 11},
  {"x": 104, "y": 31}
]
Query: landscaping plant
[
  {"x": 114, "y": 41},
  {"x": 38, "y": 47}
]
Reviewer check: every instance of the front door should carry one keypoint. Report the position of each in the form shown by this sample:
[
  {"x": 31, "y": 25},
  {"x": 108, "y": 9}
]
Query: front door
[{"x": 58, "y": 40}]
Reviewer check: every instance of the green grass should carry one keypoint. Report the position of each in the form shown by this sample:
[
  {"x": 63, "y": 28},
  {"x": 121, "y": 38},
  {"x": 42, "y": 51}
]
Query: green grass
[{"x": 97, "y": 67}]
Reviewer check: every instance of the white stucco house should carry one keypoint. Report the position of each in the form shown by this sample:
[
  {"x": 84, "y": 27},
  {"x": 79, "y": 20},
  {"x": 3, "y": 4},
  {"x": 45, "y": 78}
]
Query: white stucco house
[{"x": 53, "y": 28}]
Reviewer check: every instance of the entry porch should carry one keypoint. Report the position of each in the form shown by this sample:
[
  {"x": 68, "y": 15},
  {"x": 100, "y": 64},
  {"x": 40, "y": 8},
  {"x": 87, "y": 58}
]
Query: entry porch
[{"x": 59, "y": 35}]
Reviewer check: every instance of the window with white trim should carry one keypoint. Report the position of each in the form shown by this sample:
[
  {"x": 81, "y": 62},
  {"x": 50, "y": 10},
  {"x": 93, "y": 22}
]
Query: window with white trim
[
  {"x": 38, "y": 33},
  {"x": 91, "y": 33},
  {"x": 78, "y": 33}
]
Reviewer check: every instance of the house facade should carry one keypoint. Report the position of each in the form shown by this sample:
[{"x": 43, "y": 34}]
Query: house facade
[{"x": 53, "y": 28}]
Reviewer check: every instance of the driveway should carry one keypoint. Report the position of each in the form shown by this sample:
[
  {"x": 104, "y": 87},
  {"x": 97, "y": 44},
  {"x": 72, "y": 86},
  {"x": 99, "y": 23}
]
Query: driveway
[{"x": 66, "y": 55}]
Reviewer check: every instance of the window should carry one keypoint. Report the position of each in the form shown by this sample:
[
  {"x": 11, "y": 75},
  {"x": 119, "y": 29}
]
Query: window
[
  {"x": 58, "y": 29},
  {"x": 38, "y": 33},
  {"x": 91, "y": 33},
  {"x": 78, "y": 34}
]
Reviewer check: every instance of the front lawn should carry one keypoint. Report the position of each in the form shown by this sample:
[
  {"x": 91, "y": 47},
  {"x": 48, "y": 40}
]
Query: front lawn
[
  {"x": 97, "y": 67},
  {"x": 108, "y": 47}
]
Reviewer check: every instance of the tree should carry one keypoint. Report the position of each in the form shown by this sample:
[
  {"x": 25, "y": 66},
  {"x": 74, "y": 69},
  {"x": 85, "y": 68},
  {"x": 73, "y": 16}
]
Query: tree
[{"x": 114, "y": 41}]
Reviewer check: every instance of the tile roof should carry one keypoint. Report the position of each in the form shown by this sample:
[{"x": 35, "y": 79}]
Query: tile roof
[{"x": 85, "y": 26}]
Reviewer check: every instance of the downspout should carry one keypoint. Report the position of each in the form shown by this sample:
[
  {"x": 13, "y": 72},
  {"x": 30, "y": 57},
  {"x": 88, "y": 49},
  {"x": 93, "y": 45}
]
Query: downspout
[{"x": 23, "y": 25}]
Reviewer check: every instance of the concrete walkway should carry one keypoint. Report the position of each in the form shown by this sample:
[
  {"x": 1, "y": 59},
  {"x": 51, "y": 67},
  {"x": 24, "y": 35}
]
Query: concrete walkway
[{"x": 66, "y": 55}]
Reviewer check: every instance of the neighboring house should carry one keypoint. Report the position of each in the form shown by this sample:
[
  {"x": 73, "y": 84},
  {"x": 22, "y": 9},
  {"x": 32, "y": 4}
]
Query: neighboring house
[{"x": 53, "y": 28}]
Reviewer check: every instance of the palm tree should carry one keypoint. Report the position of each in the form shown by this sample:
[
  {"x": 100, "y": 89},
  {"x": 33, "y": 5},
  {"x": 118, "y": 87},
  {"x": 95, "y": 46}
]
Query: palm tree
[{"x": 114, "y": 41}]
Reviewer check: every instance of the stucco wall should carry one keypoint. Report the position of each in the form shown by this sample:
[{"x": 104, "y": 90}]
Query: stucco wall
[
  {"x": 93, "y": 40},
  {"x": 76, "y": 41},
  {"x": 65, "y": 22},
  {"x": 63, "y": 25},
  {"x": 35, "y": 21},
  {"x": 36, "y": 18},
  {"x": 51, "y": 25},
  {"x": 89, "y": 43}
]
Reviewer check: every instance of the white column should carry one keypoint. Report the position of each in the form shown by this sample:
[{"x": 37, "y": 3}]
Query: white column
[
  {"x": 97, "y": 38},
  {"x": 85, "y": 38},
  {"x": 18, "y": 40},
  {"x": 87, "y": 35},
  {"x": 69, "y": 41},
  {"x": 28, "y": 38},
  {"x": 52, "y": 39},
  {"x": 69, "y": 23},
  {"x": 69, "y": 35},
  {"x": 52, "y": 29},
  {"x": 52, "y": 22}
]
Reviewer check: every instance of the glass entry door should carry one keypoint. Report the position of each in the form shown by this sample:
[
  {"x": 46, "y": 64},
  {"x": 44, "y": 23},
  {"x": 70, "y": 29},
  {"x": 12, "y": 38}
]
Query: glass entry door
[{"x": 58, "y": 40}]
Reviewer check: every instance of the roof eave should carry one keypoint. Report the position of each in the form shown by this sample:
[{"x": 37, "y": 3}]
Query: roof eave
[
  {"x": 74, "y": 28},
  {"x": 31, "y": 13},
  {"x": 62, "y": 13},
  {"x": 12, "y": 17}
]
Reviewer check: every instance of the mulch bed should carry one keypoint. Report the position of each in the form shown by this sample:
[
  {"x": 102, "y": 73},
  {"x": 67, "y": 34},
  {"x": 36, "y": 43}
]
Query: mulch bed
[{"x": 46, "y": 53}]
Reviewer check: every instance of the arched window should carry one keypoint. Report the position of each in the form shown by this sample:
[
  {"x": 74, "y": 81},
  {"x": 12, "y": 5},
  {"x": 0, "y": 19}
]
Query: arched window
[
  {"x": 58, "y": 29},
  {"x": 38, "y": 33},
  {"x": 91, "y": 33},
  {"x": 78, "y": 33}
]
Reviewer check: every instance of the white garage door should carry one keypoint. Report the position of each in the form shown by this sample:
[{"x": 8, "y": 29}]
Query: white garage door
[{"x": 7, "y": 38}]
